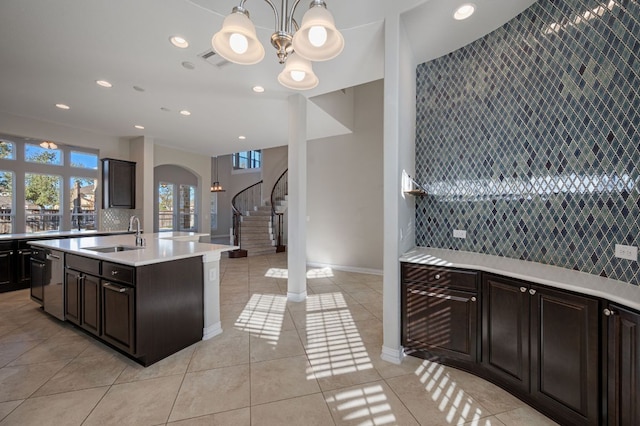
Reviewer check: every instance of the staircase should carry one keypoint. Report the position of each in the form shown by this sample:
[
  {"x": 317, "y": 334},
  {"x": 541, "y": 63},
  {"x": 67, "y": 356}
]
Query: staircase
[
  {"x": 259, "y": 229},
  {"x": 257, "y": 233}
]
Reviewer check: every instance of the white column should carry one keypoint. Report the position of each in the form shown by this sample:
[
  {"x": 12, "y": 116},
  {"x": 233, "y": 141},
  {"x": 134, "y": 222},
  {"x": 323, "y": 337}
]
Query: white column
[
  {"x": 211, "y": 275},
  {"x": 297, "y": 204},
  {"x": 391, "y": 348}
]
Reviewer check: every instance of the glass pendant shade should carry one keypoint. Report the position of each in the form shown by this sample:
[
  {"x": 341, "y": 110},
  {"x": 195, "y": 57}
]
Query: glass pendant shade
[
  {"x": 237, "y": 41},
  {"x": 318, "y": 39},
  {"x": 298, "y": 74}
]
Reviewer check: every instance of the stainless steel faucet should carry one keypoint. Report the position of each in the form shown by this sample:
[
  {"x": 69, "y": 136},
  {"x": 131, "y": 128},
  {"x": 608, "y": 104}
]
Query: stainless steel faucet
[{"x": 139, "y": 239}]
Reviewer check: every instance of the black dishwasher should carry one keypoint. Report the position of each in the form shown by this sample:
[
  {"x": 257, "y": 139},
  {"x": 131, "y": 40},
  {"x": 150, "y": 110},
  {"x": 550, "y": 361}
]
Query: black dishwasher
[{"x": 38, "y": 274}]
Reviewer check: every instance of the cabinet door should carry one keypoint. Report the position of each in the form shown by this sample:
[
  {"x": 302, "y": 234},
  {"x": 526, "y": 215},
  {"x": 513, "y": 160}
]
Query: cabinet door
[
  {"x": 38, "y": 280},
  {"x": 118, "y": 313},
  {"x": 72, "y": 292},
  {"x": 441, "y": 320},
  {"x": 565, "y": 354},
  {"x": 119, "y": 184},
  {"x": 23, "y": 269},
  {"x": 505, "y": 331},
  {"x": 623, "y": 368},
  {"x": 6, "y": 267},
  {"x": 90, "y": 296}
]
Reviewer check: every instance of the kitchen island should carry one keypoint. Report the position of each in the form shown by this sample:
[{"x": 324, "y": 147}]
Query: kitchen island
[{"x": 147, "y": 302}]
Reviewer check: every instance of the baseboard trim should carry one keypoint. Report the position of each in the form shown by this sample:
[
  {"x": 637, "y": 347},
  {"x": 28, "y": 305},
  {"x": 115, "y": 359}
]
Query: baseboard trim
[
  {"x": 394, "y": 356},
  {"x": 297, "y": 297},
  {"x": 346, "y": 268},
  {"x": 211, "y": 331}
]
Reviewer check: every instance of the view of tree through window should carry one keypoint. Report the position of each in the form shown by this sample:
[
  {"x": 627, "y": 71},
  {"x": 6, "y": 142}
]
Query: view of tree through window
[{"x": 56, "y": 184}]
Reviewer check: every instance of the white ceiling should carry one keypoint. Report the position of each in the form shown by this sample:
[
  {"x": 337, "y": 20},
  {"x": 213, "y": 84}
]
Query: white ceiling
[{"x": 54, "y": 51}]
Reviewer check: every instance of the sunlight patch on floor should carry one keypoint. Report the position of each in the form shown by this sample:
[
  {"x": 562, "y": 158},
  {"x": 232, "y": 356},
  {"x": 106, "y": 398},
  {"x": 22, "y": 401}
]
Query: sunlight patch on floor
[
  {"x": 452, "y": 400},
  {"x": 367, "y": 405},
  {"x": 262, "y": 316},
  {"x": 334, "y": 344},
  {"x": 311, "y": 273}
]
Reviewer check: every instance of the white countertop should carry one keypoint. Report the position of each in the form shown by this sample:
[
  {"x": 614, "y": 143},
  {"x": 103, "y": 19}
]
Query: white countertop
[
  {"x": 160, "y": 247},
  {"x": 615, "y": 291}
]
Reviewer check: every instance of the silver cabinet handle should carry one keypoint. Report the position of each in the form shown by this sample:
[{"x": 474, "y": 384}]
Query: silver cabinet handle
[
  {"x": 437, "y": 277},
  {"x": 609, "y": 312},
  {"x": 53, "y": 257},
  {"x": 114, "y": 288},
  {"x": 523, "y": 289},
  {"x": 532, "y": 292},
  {"x": 473, "y": 299},
  {"x": 114, "y": 273}
]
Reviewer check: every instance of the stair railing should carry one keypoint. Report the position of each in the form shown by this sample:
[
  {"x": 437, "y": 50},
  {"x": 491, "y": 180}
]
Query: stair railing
[
  {"x": 278, "y": 193},
  {"x": 241, "y": 203}
]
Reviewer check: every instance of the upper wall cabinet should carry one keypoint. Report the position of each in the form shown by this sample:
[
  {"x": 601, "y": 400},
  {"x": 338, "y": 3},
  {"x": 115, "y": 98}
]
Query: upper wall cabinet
[{"x": 118, "y": 184}]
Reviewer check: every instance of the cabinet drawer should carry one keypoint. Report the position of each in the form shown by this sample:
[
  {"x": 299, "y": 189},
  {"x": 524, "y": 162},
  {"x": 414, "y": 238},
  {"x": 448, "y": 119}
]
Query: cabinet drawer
[
  {"x": 84, "y": 264},
  {"x": 445, "y": 277},
  {"x": 117, "y": 272}
]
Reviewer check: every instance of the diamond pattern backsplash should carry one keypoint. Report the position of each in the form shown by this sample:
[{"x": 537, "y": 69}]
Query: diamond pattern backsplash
[{"x": 529, "y": 139}]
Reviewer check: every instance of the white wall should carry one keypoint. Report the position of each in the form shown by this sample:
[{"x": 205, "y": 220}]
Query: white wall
[{"x": 345, "y": 181}]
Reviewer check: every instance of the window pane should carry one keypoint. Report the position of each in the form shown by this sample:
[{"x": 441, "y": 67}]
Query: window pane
[
  {"x": 6, "y": 202},
  {"x": 165, "y": 206},
  {"x": 247, "y": 160},
  {"x": 84, "y": 160},
  {"x": 7, "y": 150},
  {"x": 42, "y": 202},
  {"x": 187, "y": 208},
  {"x": 82, "y": 193},
  {"x": 214, "y": 211},
  {"x": 37, "y": 154}
]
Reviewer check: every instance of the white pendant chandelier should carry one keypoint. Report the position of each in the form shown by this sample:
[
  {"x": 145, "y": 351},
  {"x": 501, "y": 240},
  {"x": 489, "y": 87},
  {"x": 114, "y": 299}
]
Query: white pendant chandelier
[{"x": 317, "y": 39}]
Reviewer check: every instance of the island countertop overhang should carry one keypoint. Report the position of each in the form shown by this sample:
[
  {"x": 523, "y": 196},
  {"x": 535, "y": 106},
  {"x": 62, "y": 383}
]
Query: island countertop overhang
[{"x": 159, "y": 247}]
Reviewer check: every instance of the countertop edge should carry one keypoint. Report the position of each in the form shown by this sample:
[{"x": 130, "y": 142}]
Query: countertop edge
[
  {"x": 616, "y": 291},
  {"x": 158, "y": 249}
]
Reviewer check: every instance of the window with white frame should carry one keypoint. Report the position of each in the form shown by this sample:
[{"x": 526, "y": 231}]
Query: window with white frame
[{"x": 247, "y": 160}]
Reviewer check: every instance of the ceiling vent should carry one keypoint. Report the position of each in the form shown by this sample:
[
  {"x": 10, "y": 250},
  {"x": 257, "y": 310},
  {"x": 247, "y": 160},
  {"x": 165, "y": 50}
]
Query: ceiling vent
[{"x": 213, "y": 58}]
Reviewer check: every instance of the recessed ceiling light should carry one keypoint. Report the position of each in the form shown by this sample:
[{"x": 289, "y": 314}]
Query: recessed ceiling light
[
  {"x": 258, "y": 89},
  {"x": 63, "y": 106},
  {"x": 165, "y": 109},
  {"x": 104, "y": 83},
  {"x": 185, "y": 112},
  {"x": 188, "y": 65},
  {"x": 180, "y": 42},
  {"x": 139, "y": 127},
  {"x": 242, "y": 137},
  {"x": 138, "y": 89},
  {"x": 464, "y": 11}
]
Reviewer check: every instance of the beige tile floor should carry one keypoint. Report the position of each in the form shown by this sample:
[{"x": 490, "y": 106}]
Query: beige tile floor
[{"x": 276, "y": 363}]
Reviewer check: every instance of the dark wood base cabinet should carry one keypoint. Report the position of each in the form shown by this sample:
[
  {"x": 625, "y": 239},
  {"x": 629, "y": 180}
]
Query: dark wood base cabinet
[
  {"x": 623, "y": 370},
  {"x": 148, "y": 312},
  {"x": 440, "y": 311},
  {"x": 542, "y": 344}
]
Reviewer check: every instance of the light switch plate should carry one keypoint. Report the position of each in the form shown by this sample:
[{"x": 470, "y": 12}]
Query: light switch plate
[
  {"x": 459, "y": 233},
  {"x": 627, "y": 252}
]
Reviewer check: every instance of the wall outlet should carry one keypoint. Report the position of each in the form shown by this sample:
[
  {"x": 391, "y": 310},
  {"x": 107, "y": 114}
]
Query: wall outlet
[
  {"x": 459, "y": 233},
  {"x": 627, "y": 252}
]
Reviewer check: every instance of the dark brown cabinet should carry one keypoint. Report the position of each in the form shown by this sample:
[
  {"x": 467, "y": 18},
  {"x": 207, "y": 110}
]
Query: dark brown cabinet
[
  {"x": 90, "y": 303},
  {"x": 73, "y": 289},
  {"x": 440, "y": 312},
  {"x": 543, "y": 344},
  {"x": 505, "y": 331},
  {"x": 118, "y": 184},
  {"x": 148, "y": 312},
  {"x": 6, "y": 264},
  {"x": 623, "y": 370},
  {"x": 118, "y": 315},
  {"x": 38, "y": 274}
]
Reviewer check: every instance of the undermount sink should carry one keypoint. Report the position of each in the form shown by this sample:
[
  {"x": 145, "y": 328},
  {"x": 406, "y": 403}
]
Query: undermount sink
[{"x": 112, "y": 249}]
